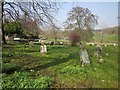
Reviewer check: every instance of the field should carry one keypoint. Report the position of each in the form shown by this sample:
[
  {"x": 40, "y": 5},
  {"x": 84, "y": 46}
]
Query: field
[
  {"x": 106, "y": 38},
  {"x": 24, "y": 67}
]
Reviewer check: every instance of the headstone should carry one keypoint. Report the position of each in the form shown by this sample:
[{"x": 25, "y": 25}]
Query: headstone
[
  {"x": 84, "y": 57},
  {"x": 114, "y": 44},
  {"x": 31, "y": 43},
  {"x": 61, "y": 43},
  {"x": 43, "y": 49},
  {"x": 105, "y": 45},
  {"x": 98, "y": 51}
]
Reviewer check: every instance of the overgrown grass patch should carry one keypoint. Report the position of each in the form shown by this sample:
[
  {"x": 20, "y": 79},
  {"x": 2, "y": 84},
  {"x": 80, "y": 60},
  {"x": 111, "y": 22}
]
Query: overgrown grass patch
[{"x": 23, "y": 80}]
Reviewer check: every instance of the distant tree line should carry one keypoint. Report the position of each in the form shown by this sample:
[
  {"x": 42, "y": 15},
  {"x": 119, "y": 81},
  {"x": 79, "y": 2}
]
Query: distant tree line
[{"x": 111, "y": 30}]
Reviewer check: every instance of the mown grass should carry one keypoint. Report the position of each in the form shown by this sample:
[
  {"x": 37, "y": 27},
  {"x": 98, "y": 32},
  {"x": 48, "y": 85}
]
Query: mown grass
[
  {"x": 63, "y": 66},
  {"x": 106, "y": 38}
]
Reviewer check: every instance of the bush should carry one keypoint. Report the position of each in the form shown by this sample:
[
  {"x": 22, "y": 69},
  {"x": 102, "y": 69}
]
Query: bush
[
  {"x": 10, "y": 68},
  {"x": 23, "y": 80}
]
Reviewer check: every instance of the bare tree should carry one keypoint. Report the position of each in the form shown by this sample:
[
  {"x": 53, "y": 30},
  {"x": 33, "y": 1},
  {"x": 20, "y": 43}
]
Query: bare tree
[
  {"x": 53, "y": 33},
  {"x": 34, "y": 9},
  {"x": 81, "y": 17},
  {"x": 29, "y": 26}
]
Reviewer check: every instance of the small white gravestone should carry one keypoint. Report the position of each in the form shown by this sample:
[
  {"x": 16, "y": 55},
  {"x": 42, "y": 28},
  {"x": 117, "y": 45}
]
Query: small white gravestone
[
  {"x": 61, "y": 43},
  {"x": 43, "y": 49},
  {"x": 114, "y": 44},
  {"x": 105, "y": 45}
]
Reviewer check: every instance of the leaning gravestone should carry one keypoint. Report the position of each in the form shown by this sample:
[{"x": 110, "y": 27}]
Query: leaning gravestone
[{"x": 84, "y": 57}]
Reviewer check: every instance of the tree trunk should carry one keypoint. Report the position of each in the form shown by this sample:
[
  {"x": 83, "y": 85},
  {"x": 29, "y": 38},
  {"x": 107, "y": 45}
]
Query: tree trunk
[
  {"x": 3, "y": 36},
  {"x": 3, "y": 33}
]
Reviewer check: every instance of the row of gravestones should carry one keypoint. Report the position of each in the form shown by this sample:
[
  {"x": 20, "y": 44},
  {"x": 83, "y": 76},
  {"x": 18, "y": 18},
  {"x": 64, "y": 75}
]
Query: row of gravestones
[
  {"x": 51, "y": 43},
  {"x": 84, "y": 57},
  {"x": 112, "y": 44}
]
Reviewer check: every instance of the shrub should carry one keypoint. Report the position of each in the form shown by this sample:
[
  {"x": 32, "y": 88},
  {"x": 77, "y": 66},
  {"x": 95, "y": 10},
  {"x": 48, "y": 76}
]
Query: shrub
[{"x": 23, "y": 80}]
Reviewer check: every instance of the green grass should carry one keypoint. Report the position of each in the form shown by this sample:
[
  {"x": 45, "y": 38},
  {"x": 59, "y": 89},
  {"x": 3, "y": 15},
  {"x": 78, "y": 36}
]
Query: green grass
[
  {"x": 106, "y": 38},
  {"x": 62, "y": 65}
]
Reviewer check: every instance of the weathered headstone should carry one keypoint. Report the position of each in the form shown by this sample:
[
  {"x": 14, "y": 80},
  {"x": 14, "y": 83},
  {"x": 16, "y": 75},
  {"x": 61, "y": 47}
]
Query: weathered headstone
[
  {"x": 98, "y": 51},
  {"x": 84, "y": 57}
]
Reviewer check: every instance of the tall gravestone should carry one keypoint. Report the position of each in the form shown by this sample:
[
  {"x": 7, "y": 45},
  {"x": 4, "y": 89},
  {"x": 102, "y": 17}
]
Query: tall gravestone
[{"x": 84, "y": 57}]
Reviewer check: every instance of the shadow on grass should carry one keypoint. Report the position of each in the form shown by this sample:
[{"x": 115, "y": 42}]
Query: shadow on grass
[{"x": 55, "y": 62}]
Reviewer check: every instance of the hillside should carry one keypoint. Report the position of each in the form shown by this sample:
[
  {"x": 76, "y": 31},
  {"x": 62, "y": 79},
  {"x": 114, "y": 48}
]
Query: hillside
[
  {"x": 110, "y": 30},
  {"x": 109, "y": 35}
]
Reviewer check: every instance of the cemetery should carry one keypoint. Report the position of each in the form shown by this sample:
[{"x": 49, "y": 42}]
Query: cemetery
[
  {"x": 40, "y": 52},
  {"x": 61, "y": 67}
]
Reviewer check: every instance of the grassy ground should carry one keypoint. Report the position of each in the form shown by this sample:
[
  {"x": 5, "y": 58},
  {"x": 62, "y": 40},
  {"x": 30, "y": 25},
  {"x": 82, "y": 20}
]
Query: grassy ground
[
  {"x": 106, "y": 38},
  {"x": 61, "y": 65}
]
